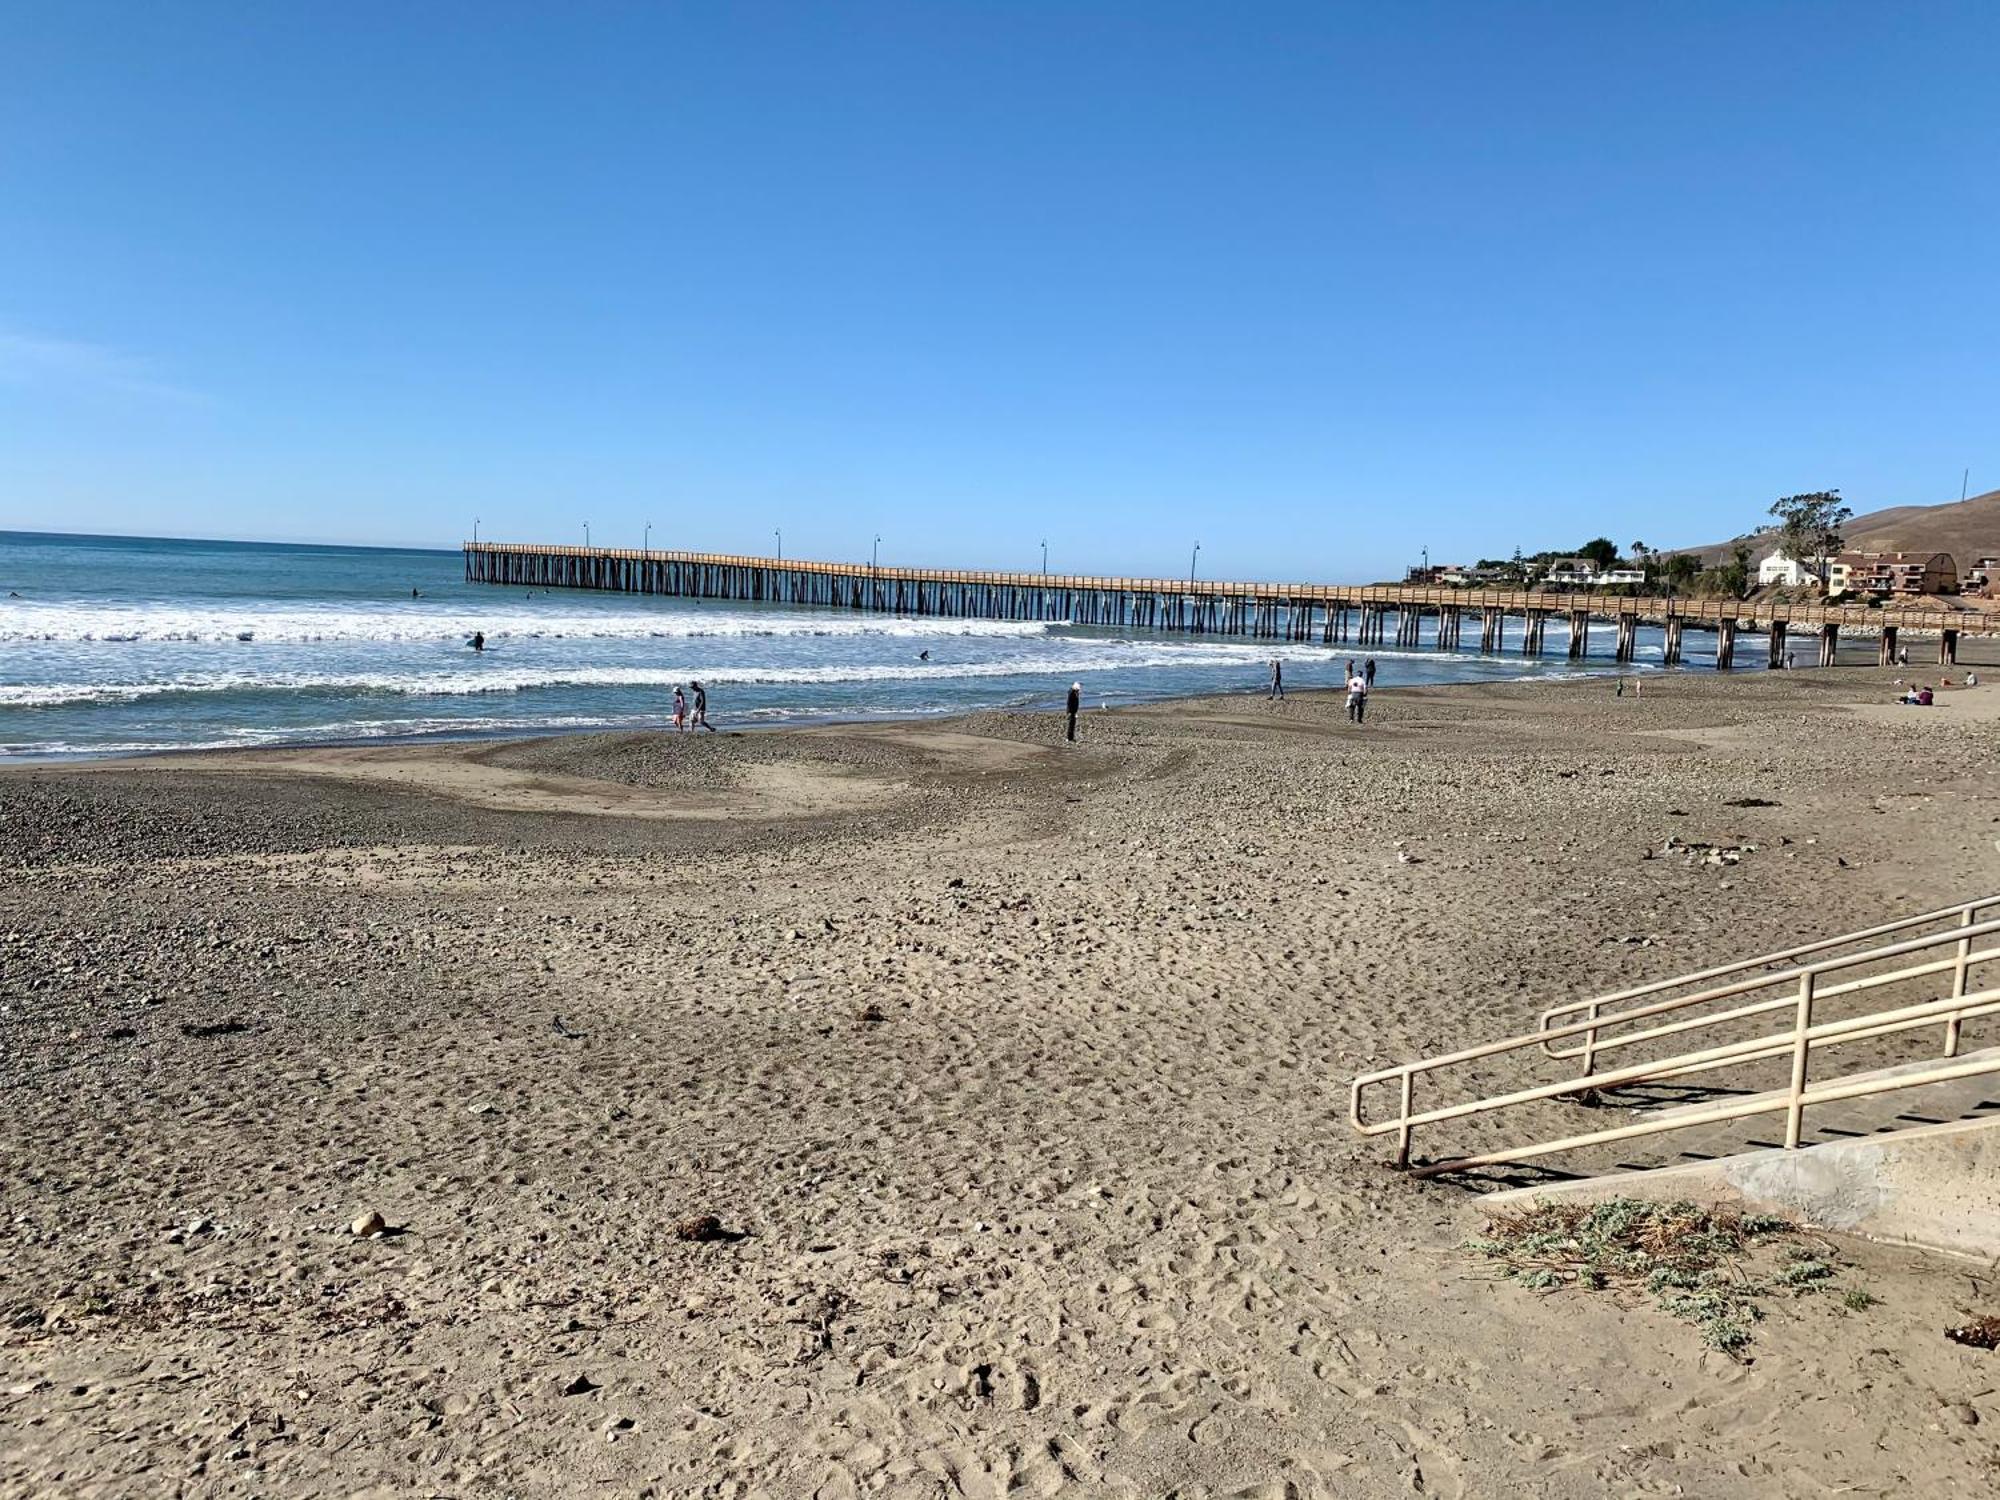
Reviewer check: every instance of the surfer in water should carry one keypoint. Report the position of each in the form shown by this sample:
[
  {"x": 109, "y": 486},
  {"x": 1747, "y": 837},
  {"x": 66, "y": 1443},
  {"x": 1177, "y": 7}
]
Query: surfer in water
[{"x": 478, "y": 641}]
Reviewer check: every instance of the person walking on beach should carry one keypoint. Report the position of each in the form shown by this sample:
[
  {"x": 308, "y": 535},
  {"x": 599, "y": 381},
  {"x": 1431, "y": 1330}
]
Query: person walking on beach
[
  {"x": 1277, "y": 680},
  {"x": 701, "y": 707},
  {"x": 680, "y": 709},
  {"x": 1071, "y": 705},
  {"x": 1350, "y": 669},
  {"x": 1357, "y": 698},
  {"x": 1369, "y": 671}
]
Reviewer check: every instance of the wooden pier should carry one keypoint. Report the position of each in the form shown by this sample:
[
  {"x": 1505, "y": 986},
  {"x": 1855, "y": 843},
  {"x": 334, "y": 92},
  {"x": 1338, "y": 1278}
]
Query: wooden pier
[{"x": 1325, "y": 614}]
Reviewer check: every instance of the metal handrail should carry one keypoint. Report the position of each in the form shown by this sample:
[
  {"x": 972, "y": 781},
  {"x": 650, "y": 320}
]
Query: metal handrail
[
  {"x": 1966, "y": 911},
  {"x": 1799, "y": 1040}
]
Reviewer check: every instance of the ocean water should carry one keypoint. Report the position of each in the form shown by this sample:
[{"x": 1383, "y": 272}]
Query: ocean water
[{"x": 115, "y": 645}]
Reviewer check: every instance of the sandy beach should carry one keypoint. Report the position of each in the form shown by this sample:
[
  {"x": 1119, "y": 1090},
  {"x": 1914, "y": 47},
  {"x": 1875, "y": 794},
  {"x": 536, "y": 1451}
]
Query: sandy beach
[{"x": 1014, "y": 1074}]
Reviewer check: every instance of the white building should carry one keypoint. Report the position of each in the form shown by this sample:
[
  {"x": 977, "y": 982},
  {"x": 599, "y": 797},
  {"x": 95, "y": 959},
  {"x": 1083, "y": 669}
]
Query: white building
[
  {"x": 1571, "y": 570},
  {"x": 1778, "y": 568},
  {"x": 1621, "y": 575}
]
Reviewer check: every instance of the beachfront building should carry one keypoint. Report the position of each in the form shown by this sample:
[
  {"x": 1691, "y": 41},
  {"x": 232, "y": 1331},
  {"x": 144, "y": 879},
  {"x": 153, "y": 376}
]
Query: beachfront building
[
  {"x": 1780, "y": 569},
  {"x": 1894, "y": 573},
  {"x": 1444, "y": 575},
  {"x": 1612, "y": 576},
  {"x": 1580, "y": 571},
  {"x": 1978, "y": 579}
]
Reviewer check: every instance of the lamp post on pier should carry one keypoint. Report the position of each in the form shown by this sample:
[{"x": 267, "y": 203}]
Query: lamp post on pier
[
  {"x": 1045, "y": 557},
  {"x": 1191, "y": 562},
  {"x": 875, "y": 557},
  {"x": 586, "y": 535},
  {"x": 646, "y": 541},
  {"x": 779, "y": 533},
  {"x": 475, "y": 531}
]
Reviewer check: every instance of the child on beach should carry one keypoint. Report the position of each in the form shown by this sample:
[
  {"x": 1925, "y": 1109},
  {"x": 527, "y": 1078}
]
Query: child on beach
[{"x": 680, "y": 709}]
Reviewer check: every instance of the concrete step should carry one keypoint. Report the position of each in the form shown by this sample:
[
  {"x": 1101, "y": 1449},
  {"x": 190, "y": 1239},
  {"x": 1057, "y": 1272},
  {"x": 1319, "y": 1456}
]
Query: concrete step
[
  {"x": 1929, "y": 1187},
  {"x": 1957, "y": 1099}
]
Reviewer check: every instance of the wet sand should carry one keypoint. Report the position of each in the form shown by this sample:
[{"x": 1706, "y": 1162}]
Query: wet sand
[{"x": 1014, "y": 1073}]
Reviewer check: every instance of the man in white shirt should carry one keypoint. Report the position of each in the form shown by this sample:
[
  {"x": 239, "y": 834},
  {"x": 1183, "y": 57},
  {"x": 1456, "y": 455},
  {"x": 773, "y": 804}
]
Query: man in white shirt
[{"x": 1357, "y": 698}]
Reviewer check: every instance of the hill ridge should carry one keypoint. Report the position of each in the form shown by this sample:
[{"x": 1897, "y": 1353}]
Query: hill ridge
[{"x": 1965, "y": 528}]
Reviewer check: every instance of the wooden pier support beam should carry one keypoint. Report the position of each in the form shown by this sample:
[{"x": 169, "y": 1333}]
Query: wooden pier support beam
[
  {"x": 1264, "y": 612},
  {"x": 1409, "y": 626}
]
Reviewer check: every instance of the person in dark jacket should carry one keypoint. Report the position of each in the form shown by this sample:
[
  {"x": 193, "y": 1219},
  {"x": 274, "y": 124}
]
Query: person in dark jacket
[{"x": 1074, "y": 703}]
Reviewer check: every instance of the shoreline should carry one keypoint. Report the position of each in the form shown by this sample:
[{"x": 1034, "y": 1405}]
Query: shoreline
[{"x": 1592, "y": 669}]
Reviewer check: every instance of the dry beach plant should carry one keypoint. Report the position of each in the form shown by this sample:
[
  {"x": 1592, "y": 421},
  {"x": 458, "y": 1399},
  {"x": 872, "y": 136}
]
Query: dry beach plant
[{"x": 1698, "y": 1264}]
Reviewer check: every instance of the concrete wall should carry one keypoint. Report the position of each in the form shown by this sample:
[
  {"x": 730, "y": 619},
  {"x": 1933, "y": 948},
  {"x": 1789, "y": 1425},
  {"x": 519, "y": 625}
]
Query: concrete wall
[{"x": 1936, "y": 1187}]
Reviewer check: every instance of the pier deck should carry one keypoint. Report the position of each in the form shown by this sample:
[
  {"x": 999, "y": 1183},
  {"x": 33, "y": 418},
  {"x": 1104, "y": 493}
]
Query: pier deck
[{"x": 1325, "y": 613}]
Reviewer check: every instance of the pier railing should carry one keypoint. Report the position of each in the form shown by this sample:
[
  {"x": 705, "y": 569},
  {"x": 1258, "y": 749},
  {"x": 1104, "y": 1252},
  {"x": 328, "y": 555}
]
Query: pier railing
[
  {"x": 1473, "y": 597},
  {"x": 1324, "y": 612},
  {"x": 1800, "y": 994}
]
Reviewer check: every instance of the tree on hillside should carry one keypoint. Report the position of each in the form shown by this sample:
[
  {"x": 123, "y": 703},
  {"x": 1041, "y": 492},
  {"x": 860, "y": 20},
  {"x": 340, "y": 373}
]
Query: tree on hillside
[
  {"x": 1809, "y": 528},
  {"x": 1730, "y": 580},
  {"x": 1736, "y": 574},
  {"x": 1600, "y": 550},
  {"x": 1680, "y": 569}
]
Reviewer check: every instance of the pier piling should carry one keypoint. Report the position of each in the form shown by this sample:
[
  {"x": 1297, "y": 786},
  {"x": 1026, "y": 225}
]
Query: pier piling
[{"x": 1331, "y": 613}]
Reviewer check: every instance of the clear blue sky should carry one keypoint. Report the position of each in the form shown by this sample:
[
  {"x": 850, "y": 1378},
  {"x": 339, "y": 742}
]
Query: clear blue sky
[{"x": 1318, "y": 285}]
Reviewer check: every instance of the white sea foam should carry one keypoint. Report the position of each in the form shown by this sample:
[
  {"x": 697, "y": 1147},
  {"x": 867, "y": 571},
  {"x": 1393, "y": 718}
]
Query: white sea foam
[
  {"x": 266, "y": 624},
  {"x": 494, "y": 677}
]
